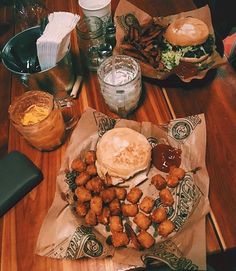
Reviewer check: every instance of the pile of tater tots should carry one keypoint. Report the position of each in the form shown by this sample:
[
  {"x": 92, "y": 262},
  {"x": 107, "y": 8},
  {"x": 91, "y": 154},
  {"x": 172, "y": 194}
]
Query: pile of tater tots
[{"x": 98, "y": 201}]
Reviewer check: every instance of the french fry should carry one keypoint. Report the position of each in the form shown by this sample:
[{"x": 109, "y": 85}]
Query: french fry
[{"x": 142, "y": 42}]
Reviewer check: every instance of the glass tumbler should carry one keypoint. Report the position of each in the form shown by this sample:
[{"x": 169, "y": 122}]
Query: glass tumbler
[
  {"x": 120, "y": 81},
  {"x": 91, "y": 42},
  {"x": 37, "y": 118}
]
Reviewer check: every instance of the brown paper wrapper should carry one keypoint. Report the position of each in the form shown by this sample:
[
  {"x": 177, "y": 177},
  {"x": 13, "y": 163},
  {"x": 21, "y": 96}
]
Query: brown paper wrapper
[
  {"x": 65, "y": 235},
  {"x": 204, "y": 14}
]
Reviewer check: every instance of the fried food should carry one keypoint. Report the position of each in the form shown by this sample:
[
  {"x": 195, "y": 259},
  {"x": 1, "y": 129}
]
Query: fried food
[
  {"x": 145, "y": 239},
  {"x": 132, "y": 236},
  {"x": 108, "y": 194},
  {"x": 120, "y": 239},
  {"x": 108, "y": 180},
  {"x": 147, "y": 204},
  {"x": 83, "y": 194},
  {"x": 116, "y": 224},
  {"x": 81, "y": 208},
  {"x": 90, "y": 157},
  {"x": 142, "y": 42},
  {"x": 96, "y": 204},
  {"x": 166, "y": 197},
  {"x": 115, "y": 207},
  {"x": 177, "y": 171},
  {"x": 98, "y": 201},
  {"x": 134, "y": 195},
  {"x": 91, "y": 170},
  {"x": 121, "y": 193},
  {"x": 78, "y": 165},
  {"x": 158, "y": 181},
  {"x": 82, "y": 178},
  {"x": 159, "y": 215},
  {"x": 95, "y": 185},
  {"x": 103, "y": 218},
  {"x": 129, "y": 209},
  {"x": 166, "y": 227},
  {"x": 172, "y": 181},
  {"x": 91, "y": 218},
  {"x": 142, "y": 221}
]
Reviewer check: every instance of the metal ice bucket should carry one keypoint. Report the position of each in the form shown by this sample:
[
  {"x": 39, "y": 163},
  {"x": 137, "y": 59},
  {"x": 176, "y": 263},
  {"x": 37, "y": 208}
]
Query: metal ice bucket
[{"x": 55, "y": 80}]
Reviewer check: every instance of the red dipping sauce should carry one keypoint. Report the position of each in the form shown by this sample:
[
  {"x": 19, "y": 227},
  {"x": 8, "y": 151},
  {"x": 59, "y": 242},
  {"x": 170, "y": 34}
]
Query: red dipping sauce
[{"x": 164, "y": 156}]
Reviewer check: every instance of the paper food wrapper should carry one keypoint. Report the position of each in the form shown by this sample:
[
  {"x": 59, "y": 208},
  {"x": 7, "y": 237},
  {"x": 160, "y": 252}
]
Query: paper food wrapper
[
  {"x": 126, "y": 8},
  {"x": 65, "y": 235}
]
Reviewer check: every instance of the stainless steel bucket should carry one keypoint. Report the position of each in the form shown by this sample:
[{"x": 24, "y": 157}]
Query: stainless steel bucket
[{"x": 56, "y": 80}]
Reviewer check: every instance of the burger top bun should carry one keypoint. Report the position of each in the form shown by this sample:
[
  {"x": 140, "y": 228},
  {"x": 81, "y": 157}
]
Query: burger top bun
[
  {"x": 187, "y": 32},
  {"x": 122, "y": 152}
]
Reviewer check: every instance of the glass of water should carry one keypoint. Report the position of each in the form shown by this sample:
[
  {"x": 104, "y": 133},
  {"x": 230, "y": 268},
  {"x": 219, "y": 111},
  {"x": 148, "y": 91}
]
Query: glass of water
[{"x": 120, "y": 81}]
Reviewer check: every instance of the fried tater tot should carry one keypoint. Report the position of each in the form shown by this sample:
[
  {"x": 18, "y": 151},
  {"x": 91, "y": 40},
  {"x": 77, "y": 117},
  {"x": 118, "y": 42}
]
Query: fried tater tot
[
  {"x": 91, "y": 170},
  {"x": 90, "y": 157},
  {"x": 121, "y": 193},
  {"x": 83, "y": 194},
  {"x": 91, "y": 218},
  {"x": 178, "y": 172},
  {"x": 172, "y": 181},
  {"x": 115, "y": 224},
  {"x": 82, "y": 178},
  {"x": 96, "y": 205},
  {"x": 158, "y": 181},
  {"x": 132, "y": 236},
  {"x": 147, "y": 204},
  {"x": 129, "y": 209},
  {"x": 81, "y": 208},
  {"x": 145, "y": 239},
  {"x": 134, "y": 195},
  {"x": 166, "y": 197},
  {"x": 159, "y": 215},
  {"x": 103, "y": 218},
  {"x": 108, "y": 180},
  {"x": 142, "y": 221},
  {"x": 114, "y": 207},
  {"x": 78, "y": 165},
  {"x": 108, "y": 194},
  {"x": 165, "y": 228},
  {"x": 120, "y": 239},
  {"x": 94, "y": 185}
]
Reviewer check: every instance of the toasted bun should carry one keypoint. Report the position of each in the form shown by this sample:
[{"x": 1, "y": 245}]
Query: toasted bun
[
  {"x": 122, "y": 152},
  {"x": 187, "y": 32}
]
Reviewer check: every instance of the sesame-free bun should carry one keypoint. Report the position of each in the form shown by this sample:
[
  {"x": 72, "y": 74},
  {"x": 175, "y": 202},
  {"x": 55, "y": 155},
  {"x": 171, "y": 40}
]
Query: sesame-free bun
[
  {"x": 187, "y": 32},
  {"x": 122, "y": 152}
]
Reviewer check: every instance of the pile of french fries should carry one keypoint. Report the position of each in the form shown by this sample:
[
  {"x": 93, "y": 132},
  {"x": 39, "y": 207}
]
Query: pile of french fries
[{"x": 143, "y": 43}]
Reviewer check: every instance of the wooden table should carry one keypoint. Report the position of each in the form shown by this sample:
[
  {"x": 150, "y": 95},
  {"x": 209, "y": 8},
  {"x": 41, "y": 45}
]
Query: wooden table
[{"x": 215, "y": 97}]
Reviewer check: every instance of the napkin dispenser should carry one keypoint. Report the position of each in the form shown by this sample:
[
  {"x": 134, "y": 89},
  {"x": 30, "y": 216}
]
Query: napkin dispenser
[{"x": 18, "y": 176}]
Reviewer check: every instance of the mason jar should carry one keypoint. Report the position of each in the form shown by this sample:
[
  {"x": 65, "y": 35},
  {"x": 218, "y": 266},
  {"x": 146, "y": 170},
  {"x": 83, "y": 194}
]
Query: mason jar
[
  {"x": 90, "y": 40},
  {"x": 120, "y": 82}
]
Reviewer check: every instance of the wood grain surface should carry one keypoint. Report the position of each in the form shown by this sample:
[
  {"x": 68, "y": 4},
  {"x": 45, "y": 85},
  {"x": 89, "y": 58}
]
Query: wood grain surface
[{"x": 215, "y": 97}]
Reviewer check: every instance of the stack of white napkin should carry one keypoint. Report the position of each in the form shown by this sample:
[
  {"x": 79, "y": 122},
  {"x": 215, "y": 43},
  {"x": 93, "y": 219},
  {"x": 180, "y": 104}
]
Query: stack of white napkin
[{"x": 55, "y": 40}]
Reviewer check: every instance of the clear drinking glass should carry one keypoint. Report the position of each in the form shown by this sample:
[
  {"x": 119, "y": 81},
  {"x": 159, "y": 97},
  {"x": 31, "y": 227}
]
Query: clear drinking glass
[
  {"x": 120, "y": 81},
  {"x": 44, "y": 131},
  {"x": 29, "y": 13},
  {"x": 43, "y": 119},
  {"x": 91, "y": 42}
]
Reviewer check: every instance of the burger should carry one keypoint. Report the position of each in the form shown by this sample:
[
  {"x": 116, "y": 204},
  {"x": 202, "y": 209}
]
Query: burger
[
  {"x": 121, "y": 153},
  {"x": 186, "y": 39}
]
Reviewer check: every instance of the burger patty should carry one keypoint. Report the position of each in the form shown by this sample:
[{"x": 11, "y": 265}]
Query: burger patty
[{"x": 172, "y": 54}]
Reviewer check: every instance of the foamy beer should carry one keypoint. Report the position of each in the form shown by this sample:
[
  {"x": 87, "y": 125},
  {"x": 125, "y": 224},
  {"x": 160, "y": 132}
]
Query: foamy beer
[{"x": 37, "y": 118}]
